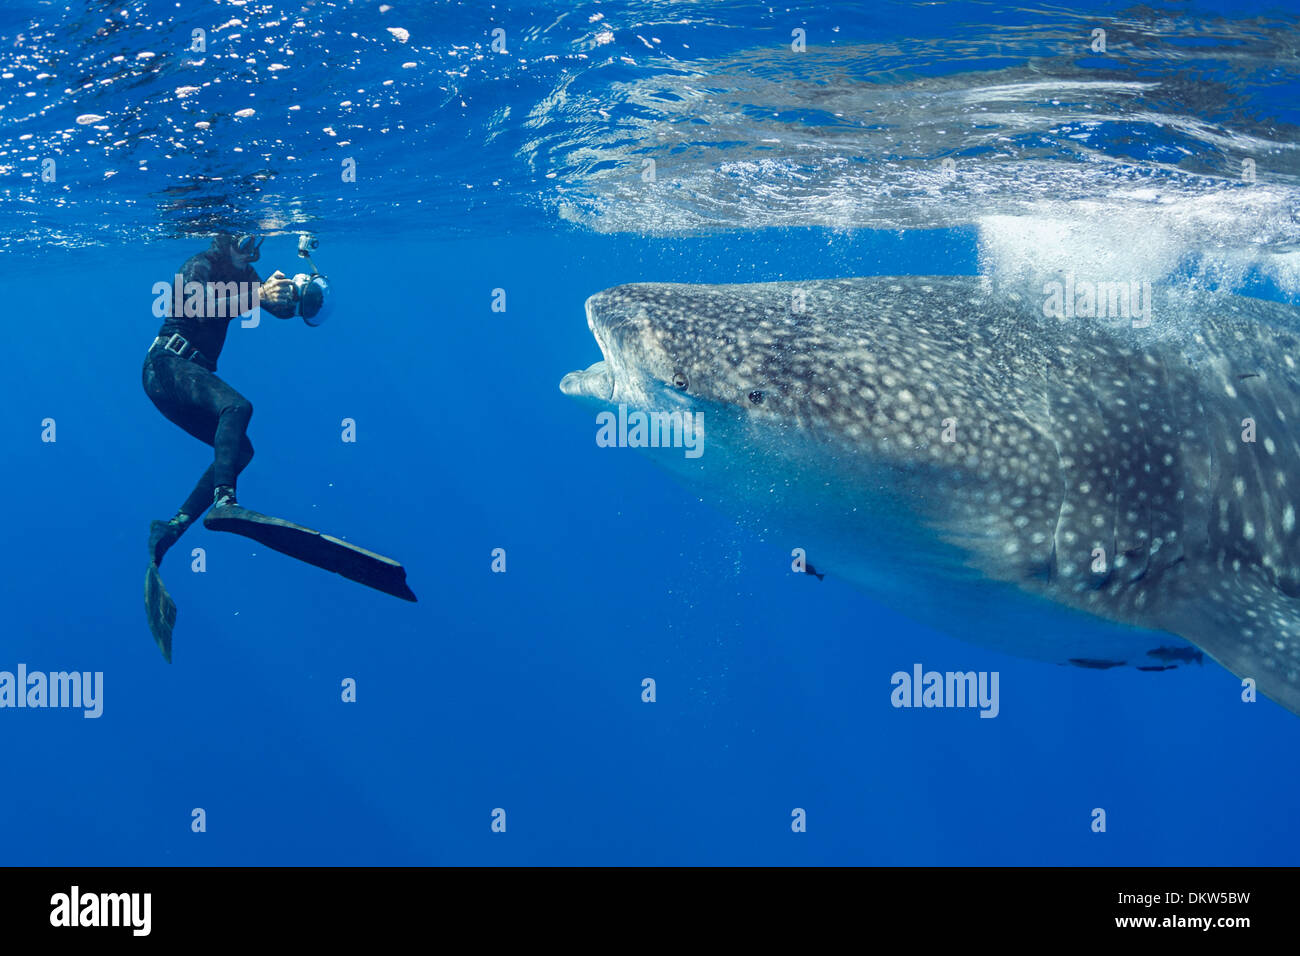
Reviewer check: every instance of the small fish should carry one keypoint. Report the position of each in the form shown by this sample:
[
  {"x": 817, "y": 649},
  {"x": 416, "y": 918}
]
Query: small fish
[{"x": 1098, "y": 665}]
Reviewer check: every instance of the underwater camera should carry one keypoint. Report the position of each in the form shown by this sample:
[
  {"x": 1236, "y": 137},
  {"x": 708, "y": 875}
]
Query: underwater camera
[{"x": 311, "y": 291}]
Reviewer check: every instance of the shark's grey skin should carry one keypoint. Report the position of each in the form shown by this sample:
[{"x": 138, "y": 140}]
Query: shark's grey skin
[{"x": 1091, "y": 467}]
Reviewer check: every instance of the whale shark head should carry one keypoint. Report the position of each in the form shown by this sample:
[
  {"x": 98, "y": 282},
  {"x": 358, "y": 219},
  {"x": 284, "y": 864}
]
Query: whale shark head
[
  {"x": 881, "y": 370},
  {"x": 836, "y": 360},
  {"x": 658, "y": 346}
]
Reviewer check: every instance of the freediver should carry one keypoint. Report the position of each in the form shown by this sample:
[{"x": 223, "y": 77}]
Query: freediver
[
  {"x": 180, "y": 371},
  {"x": 180, "y": 378}
]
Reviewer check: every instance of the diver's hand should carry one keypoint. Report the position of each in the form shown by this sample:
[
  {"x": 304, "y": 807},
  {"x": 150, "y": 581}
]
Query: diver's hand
[{"x": 277, "y": 289}]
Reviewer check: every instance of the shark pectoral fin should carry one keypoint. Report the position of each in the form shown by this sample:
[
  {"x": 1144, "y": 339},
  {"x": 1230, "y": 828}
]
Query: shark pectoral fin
[{"x": 1249, "y": 626}]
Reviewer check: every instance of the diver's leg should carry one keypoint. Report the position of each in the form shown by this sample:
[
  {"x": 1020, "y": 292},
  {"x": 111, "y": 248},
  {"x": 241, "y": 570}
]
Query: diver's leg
[
  {"x": 163, "y": 534},
  {"x": 233, "y": 449},
  {"x": 201, "y": 497},
  {"x": 210, "y": 410},
  {"x": 207, "y": 408},
  {"x": 161, "y": 374}
]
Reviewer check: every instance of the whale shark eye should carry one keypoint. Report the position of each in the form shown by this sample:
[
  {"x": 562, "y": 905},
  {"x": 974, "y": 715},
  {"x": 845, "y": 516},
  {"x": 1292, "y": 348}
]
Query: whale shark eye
[
  {"x": 679, "y": 381},
  {"x": 756, "y": 397}
]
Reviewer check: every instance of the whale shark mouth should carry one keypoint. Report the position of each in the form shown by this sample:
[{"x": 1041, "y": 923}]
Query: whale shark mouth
[{"x": 597, "y": 381}]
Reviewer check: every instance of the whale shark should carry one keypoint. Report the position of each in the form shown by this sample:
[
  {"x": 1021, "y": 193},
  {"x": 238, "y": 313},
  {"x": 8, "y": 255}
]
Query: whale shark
[{"x": 1085, "y": 491}]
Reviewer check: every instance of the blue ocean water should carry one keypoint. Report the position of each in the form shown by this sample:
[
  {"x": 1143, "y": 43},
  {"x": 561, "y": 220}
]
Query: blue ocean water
[{"x": 523, "y": 171}]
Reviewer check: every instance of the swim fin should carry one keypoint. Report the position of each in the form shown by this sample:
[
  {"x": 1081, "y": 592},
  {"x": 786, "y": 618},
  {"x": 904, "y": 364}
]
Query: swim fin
[
  {"x": 160, "y": 609},
  {"x": 322, "y": 550}
]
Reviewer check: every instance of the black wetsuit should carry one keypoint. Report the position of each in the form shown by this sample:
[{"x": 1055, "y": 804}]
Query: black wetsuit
[{"x": 188, "y": 391}]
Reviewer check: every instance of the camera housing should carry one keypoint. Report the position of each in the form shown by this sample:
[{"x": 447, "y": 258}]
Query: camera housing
[{"x": 311, "y": 292}]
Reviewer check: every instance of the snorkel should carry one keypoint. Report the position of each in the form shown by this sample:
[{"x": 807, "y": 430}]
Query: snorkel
[{"x": 311, "y": 292}]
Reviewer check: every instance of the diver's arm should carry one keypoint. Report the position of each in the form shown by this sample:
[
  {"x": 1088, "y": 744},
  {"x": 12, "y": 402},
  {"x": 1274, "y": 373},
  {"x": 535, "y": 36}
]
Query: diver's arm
[
  {"x": 278, "y": 295},
  {"x": 217, "y": 299}
]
